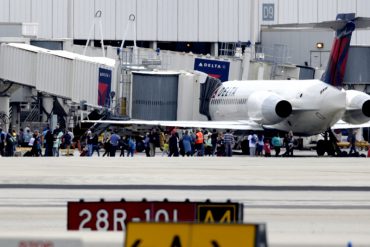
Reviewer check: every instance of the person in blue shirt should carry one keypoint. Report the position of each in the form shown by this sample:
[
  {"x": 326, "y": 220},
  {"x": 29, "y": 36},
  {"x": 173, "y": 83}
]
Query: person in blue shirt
[
  {"x": 2, "y": 142},
  {"x": 186, "y": 141},
  {"x": 131, "y": 147},
  {"x": 114, "y": 141}
]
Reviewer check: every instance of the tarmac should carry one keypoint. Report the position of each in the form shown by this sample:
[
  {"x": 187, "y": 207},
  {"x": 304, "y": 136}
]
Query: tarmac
[{"x": 304, "y": 200}]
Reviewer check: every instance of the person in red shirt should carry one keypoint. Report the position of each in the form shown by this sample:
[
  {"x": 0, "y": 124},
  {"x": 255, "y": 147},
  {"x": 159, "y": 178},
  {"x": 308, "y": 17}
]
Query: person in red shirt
[{"x": 267, "y": 148}]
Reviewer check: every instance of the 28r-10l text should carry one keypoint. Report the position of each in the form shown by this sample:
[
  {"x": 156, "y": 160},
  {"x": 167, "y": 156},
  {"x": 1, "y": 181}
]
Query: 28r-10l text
[{"x": 119, "y": 216}]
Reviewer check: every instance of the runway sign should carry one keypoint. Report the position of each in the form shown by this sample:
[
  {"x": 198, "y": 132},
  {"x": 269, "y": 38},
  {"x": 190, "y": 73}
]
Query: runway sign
[
  {"x": 219, "y": 212},
  {"x": 113, "y": 216},
  {"x": 194, "y": 235}
]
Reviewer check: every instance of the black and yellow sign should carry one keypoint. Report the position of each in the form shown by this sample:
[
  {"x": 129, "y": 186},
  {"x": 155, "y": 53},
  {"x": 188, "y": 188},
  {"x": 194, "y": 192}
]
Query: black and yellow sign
[
  {"x": 219, "y": 212},
  {"x": 191, "y": 235}
]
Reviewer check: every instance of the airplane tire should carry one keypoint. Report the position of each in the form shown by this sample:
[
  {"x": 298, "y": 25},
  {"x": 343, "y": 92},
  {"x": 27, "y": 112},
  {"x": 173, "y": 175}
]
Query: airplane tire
[
  {"x": 330, "y": 148},
  {"x": 321, "y": 147}
]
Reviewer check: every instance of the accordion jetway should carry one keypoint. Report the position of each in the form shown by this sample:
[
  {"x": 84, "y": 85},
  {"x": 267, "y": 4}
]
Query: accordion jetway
[{"x": 59, "y": 73}]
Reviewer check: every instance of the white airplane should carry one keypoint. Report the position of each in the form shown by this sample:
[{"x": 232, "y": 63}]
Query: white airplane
[{"x": 306, "y": 107}]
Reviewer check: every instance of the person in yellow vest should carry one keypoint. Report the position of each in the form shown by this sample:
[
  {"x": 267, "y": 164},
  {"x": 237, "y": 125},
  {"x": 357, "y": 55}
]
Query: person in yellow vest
[{"x": 199, "y": 140}]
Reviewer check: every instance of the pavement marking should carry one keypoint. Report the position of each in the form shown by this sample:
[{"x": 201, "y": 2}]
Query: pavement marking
[{"x": 184, "y": 187}]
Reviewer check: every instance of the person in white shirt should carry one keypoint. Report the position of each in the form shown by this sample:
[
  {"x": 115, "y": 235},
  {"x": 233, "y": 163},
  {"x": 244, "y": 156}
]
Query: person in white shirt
[{"x": 252, "y": 138}]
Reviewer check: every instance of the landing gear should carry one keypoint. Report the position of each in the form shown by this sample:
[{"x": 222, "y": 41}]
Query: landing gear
[
  {"x": 325, "y": 146},
  {"x": 328, "y": 145}
]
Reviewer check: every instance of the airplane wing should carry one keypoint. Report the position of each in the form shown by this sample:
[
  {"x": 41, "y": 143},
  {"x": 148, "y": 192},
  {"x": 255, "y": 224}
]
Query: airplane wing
[
  {"x": 360, "y": 22},
  {"x": 235, "y": 125},
  {"x": 343, "y": 125}
]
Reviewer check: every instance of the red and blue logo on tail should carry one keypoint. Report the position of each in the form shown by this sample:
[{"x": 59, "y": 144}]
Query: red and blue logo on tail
[{"x": 338, "y": 56}]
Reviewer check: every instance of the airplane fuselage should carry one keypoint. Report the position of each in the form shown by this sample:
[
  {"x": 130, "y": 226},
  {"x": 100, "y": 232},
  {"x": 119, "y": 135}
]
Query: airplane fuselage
[{"x": 315, "y": 105}]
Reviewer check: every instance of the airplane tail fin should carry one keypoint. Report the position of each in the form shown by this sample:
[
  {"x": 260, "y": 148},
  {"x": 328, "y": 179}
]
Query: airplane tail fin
[{"x": 339, "y": 53}]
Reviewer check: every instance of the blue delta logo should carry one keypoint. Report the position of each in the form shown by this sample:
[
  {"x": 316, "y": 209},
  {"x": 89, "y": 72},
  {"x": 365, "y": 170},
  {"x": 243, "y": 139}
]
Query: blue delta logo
[{"x": 211, "y": 65}]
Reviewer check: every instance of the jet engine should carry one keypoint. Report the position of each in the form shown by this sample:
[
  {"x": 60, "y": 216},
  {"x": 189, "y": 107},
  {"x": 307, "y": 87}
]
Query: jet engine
[
  {"x": 357, "y": 107},
  {"x": 267, "y": 107}
]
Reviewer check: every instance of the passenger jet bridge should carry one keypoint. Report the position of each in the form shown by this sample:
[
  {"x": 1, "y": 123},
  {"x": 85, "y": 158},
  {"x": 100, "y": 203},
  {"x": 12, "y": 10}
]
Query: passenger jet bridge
[{"x": 53, "y": 74}]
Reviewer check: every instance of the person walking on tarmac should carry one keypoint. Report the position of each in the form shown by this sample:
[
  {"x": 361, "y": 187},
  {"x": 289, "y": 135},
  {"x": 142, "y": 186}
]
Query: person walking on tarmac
[
  {"x": 352, "y": 141},
  {"x": 289, "y": 144},
  {"x": 2, "y": 142},
  {"x": 199, "y": 139},
  {"x": 153, "y": 140},
  {"x": 276, "y": 143},
  {"x": 146, "y": 142},
  {"x": 229, "y": 142},
  {"x": 252, "y": 138},
  {"x": 173, "y": 144},
  {"x": 214, "y": 137}
]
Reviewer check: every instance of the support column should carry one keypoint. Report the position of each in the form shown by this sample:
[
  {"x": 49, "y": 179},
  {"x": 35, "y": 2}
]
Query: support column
[
  {"x": 47, "y": 103},
  {"x": 214, "y": 49},
  {"x": 246, "y": 63},
  {"x": 4, "y": 112},
  {"x": 16, "y": 116},
  {"x": 154, "y": 45}
]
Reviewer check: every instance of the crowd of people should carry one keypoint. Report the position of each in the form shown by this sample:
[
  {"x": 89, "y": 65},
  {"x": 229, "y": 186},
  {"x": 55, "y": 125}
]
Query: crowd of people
[
  {"x": 259, "y": 146},
  {"x": 173, "y": 143},
  {"x": 176, "y": 142},
  {"x": 187, "y": 143},
  {"x": 45, "y": 143}
]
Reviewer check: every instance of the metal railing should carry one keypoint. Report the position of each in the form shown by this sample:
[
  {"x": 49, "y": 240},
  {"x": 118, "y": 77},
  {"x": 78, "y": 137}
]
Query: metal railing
[{"x": 33, "y": 115}]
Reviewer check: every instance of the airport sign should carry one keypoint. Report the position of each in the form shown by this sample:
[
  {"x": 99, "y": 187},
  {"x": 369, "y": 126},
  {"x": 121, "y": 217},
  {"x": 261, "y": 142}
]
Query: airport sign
[
  {"x": 113, "y": 216},
  {"x": 194, "y": 235}
]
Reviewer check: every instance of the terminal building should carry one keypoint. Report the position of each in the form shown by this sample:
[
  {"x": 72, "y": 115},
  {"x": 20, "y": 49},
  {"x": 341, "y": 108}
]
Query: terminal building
[{"x": 52, "y": 70}]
